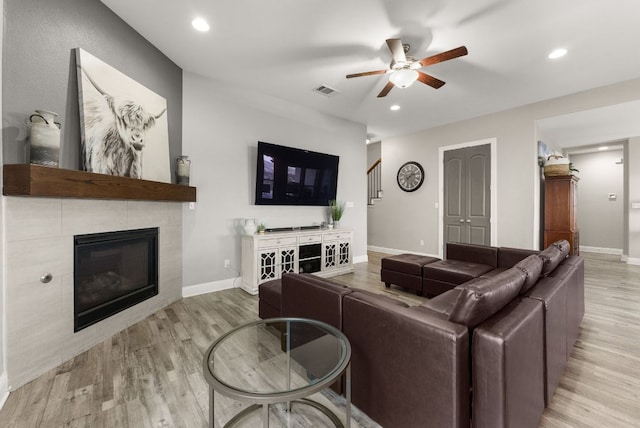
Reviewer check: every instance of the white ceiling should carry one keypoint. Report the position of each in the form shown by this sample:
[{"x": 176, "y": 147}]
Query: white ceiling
[{"x": 285, "y": 48}]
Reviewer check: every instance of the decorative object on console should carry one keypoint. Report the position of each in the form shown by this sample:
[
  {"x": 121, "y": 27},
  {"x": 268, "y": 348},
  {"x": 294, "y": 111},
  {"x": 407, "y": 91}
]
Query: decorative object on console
[
  {"x": 261, "y": 228},
  {"x": 183, "y": 170},
  {"x": 250, "y": 226},
  {"x": 44, "y": 138},
  {"x": 410, "y": 176},
  {"x": 337, "y": 210},
  {"x": 119, "y": 119}
]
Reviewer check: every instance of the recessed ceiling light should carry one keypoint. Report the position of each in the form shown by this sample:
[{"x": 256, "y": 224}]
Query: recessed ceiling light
[
  {"x": 558, "y": 53},
  {"x": 395, "y": 107},
  {"x": 603, "y": 148},
  {"x": 200, "y": 24}
]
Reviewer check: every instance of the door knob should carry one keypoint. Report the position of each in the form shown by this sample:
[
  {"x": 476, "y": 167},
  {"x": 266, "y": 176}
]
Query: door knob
[
  {"x": 468, "y": 221},
  {"x": 461, "y": 220}
]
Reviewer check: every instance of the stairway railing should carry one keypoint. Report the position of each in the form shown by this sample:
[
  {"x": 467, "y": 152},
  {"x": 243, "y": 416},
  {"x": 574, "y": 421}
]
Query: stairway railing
[{"x": 374, "y": 181}]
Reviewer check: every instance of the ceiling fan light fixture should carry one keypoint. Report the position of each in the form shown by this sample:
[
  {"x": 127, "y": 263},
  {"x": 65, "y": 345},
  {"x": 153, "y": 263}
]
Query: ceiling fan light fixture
[{"x": 403, "y": 78}]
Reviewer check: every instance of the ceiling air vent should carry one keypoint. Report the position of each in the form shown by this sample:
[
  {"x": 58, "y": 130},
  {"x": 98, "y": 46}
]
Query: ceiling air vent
[{"x": 326, "y": 90}]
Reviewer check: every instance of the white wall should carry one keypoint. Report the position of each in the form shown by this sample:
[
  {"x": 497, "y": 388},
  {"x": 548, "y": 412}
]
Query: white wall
[
  {"x": 600, "y": 219},
  {"x": 221, "y": 129},
  {"x": 4, "y": 388},
  {"x": 373, "y": 153},
  {"x": 414, "y": 216},
  {"x": 634, "y": 196}
]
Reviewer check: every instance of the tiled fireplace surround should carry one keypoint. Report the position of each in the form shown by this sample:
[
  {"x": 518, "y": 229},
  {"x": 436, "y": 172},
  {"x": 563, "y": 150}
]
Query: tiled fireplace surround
[{"x": 39, "y": 239}]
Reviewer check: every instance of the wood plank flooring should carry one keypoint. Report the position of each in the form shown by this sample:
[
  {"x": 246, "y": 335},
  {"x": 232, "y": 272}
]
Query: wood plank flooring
[{"x": 150, "y": 375}]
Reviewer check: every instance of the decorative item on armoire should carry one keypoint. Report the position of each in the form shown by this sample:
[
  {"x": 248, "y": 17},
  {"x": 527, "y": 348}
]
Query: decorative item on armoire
[
  {"x": 183, "y": 170},
  {"x": 556, "y": 165},
  {"x": 44, "y": 138}
]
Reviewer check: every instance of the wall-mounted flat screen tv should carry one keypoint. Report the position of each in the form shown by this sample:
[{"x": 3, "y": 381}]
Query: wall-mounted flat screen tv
[{"x": 290, "y": 176}]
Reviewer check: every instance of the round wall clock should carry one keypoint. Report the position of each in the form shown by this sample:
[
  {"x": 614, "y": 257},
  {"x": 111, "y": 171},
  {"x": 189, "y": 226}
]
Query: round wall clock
[{"x": 410, "y": 176}]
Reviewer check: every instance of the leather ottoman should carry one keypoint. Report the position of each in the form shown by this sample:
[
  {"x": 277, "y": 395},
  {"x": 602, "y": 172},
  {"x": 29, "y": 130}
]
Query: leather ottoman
[{"x": 405, "y": 270}]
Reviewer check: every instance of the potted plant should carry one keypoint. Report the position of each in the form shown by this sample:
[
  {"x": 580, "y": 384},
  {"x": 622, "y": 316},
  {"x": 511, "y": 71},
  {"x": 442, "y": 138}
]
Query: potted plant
[
  {"x": 337, "y": 209},
  {"x": 261, "y": 228},
  {"x": 572, "y": 169}
]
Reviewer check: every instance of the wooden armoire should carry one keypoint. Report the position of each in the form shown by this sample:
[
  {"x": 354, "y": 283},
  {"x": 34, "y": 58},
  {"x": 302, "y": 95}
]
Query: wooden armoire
[{"x": 560, "y": 206}]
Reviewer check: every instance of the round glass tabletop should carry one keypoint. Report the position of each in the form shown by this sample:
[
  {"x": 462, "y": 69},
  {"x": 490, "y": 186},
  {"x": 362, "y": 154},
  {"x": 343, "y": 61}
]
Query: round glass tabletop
[{"x": 277, "y": 357}]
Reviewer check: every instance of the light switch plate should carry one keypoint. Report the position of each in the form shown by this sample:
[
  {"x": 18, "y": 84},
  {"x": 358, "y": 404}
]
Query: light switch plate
[{"x": 635, "y": 205}]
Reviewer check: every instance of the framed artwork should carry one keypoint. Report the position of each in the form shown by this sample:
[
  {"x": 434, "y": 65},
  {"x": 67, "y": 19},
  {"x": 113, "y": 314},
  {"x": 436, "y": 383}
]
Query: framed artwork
[{"x": 123, "y": 124}]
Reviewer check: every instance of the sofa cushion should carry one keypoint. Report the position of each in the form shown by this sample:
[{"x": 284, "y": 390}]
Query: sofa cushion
[
  {"x": 377, "y": 299},
  {"x": 481, "y": 254},
  {"x": 444, "y": 303},
  {"x": 508, "y": 257},
  {"x": 552, "y": 256},
  {"x": 564, "y": 246},
  {"x": 407, "y": 263},
  {"x": 532, "y": 268},
  {"x": 492, "y": 273},
  {"x": 454, "y": 271},
  {"x": 483, "y": 297}
]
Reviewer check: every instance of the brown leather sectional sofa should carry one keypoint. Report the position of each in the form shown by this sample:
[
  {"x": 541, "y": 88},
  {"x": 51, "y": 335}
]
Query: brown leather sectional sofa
[{"x": 487, "y": 353}]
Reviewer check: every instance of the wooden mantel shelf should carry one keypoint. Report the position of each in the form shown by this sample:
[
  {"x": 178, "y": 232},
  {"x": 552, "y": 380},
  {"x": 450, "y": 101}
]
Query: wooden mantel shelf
[{"x": 36, "y": 180}]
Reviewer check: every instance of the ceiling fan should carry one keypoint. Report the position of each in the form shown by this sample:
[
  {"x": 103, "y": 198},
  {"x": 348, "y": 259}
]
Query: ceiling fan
[{"x": 404, "y": 69}]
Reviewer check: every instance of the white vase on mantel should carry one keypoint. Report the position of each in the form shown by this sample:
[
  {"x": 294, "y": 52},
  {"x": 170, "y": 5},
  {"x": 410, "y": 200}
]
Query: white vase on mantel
[{"x": 250, "y": 227}]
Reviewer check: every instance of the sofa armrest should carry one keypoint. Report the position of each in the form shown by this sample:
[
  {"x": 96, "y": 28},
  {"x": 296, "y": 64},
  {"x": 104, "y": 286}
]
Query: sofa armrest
[
  {"x": 508, "y": 367},
  {"x": 409, "y": 368},
  {"x": 480, "y": 254},
  {"x": 552, "y": 293}
]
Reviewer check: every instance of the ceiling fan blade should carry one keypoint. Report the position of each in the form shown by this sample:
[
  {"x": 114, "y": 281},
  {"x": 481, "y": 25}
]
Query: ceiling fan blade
[
  {"x": 367, "y": 73},
  {"x": 397, "y": 51},
  {"x": 385, "y": 90},
  {"x": 444, "y": 56},
  {"x": 430, "y": 80}
]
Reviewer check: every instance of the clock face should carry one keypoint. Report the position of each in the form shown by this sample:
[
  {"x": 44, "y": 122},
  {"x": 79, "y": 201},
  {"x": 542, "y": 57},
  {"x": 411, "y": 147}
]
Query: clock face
[{"x": 410, "y": 176}]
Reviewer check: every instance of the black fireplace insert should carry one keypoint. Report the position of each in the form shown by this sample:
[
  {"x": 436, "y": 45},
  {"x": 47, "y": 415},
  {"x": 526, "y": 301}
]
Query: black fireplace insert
[{"x": 112, "y": 272}]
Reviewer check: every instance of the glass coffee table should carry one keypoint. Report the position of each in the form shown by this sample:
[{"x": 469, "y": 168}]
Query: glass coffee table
[{"x": 278, "y": 360}]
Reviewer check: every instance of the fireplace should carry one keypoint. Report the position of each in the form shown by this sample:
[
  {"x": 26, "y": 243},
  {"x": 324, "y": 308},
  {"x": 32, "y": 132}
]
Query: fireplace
[{"x": 112, "y": 272}]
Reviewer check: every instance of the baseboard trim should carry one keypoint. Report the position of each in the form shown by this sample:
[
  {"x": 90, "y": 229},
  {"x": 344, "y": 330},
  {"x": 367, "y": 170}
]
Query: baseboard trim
[
  {"x": 4, "y": 388},
  {"x": 615, "y": 251},
  {"x": 209, "y": 287},
  {"x": 633, "y": 261},
  {"x": 360, "y": 259},
  {"x": 396, "y": 251}
]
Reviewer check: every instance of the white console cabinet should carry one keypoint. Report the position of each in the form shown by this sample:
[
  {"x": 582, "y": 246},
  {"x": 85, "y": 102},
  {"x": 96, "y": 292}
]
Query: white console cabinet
[{"x": 321, "y": 252}]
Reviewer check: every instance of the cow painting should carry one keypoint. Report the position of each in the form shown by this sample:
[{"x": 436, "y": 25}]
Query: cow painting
[{"x": 118, "y": 127}]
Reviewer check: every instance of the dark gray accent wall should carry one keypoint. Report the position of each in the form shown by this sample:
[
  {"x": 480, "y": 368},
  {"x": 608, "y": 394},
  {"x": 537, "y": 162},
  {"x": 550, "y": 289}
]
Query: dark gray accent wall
[{"x": 39, "y": 69}]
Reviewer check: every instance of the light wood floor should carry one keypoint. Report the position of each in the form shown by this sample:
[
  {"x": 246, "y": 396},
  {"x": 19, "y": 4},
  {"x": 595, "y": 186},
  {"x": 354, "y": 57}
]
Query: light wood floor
[{"x": 150, "y": 375}]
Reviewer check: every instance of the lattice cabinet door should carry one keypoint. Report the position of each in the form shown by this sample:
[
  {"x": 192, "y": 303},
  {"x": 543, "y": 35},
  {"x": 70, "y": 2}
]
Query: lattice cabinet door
[
  {"x": 344, "y": 253},
  {"x": 329, "y": 255},
  {"x": 288, "y": 260},
  {"x": 267, "y": 265}
]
